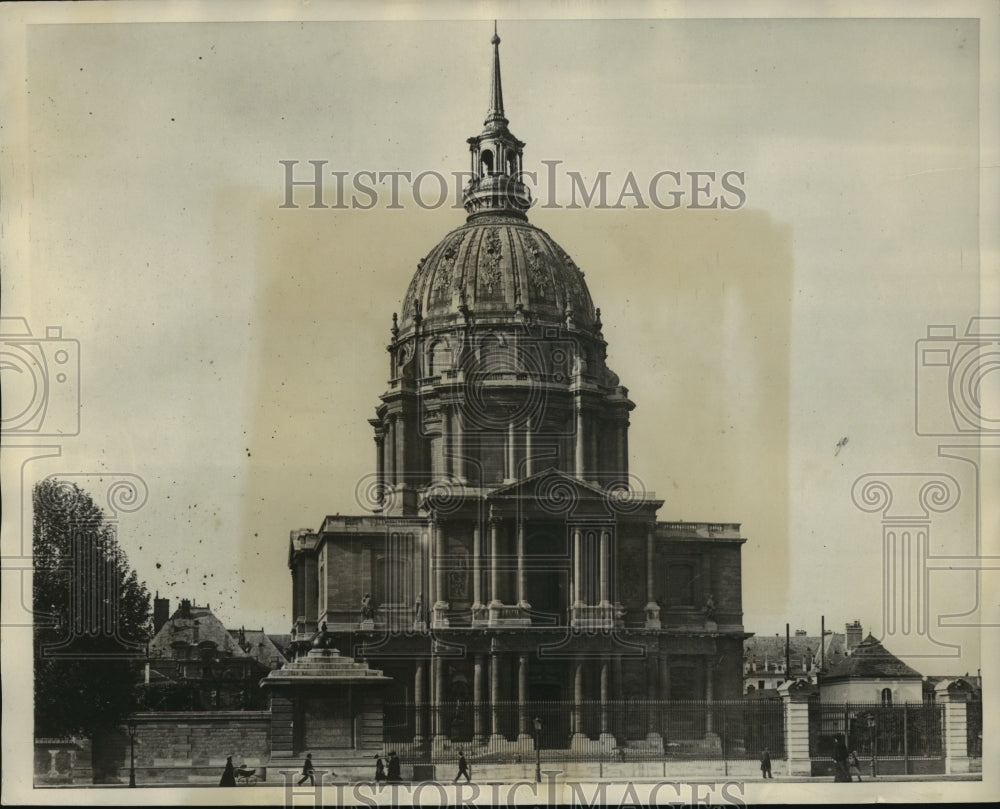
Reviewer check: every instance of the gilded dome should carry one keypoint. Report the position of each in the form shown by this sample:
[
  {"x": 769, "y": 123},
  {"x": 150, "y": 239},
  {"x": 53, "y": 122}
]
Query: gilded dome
[{"x": 495, "y": 264}]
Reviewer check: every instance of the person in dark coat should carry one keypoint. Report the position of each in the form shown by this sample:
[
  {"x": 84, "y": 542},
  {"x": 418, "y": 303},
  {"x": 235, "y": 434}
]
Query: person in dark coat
[
  {"x": 393, "y": 767},
  {"x": 463, "y": 768},
  {"x": 307, "y": 770},
  {"x": 228, "y": 774},
  {"x": 840, "y": 774},
  {"x": 765, "y": 764},
  {"x": 379, "y": 769}
]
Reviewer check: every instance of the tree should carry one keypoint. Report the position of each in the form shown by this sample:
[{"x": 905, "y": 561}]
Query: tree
[{"x": 91, "y": 616}]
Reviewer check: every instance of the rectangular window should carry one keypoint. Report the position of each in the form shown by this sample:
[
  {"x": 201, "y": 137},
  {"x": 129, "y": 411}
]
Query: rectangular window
[{"x": 680, "y": 585}]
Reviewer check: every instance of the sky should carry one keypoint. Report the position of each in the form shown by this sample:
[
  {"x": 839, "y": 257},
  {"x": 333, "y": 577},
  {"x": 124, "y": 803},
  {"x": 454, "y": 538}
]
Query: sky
[{"x": 231, "y": 350}]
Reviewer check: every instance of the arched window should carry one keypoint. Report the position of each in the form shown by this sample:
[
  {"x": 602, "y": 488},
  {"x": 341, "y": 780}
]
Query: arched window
[
  {"x": 886, "y": 697},
  {"x": 486, "y": 162},
  {"x": 496, "y": 357},
  {"x": 439, "y": 358}
]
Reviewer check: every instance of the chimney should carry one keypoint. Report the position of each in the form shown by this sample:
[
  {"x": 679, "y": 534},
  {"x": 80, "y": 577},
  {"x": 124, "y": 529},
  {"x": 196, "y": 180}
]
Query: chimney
[
  {"x": 185, "y": 608},
  {"x": 852, "y": 634},
  {"x": 161, "y": 612}
]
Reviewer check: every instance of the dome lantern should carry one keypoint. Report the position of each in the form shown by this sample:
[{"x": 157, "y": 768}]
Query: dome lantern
[{"x": 496, "y": 158}]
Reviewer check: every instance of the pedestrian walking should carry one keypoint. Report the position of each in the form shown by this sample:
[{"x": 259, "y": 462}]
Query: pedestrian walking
[
  {"x": 765, "y": 764},
  {"x": 379, "y": 769},
  {"x": 463, "y": 768},
  {"x": 840, "y": 773},
  {"x": 228, "y": 774},
  {"x": 307, "y": 770},
  {"x": 393, "y": 767},
  {"x": 855, "y": 765}
]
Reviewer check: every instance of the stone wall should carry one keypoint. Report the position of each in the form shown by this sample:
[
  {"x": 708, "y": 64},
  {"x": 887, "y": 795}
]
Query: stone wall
[{"x": 192, "y": 746}]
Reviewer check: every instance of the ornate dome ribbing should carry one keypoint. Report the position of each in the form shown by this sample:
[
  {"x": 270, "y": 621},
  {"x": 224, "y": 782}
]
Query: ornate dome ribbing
[{"x": 494, "y": 265}]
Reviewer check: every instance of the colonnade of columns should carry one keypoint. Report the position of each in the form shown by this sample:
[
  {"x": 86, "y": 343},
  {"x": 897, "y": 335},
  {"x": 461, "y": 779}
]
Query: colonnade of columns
[
  {"x": 521, "y": 442},
  {"x": 591, "y": 575},
  {"x": 594, "y": 683},
  {"x": 490, "y": 672}
]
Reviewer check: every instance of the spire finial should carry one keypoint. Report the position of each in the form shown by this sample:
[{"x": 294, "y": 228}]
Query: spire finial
[{"x": 495, "y": 115}]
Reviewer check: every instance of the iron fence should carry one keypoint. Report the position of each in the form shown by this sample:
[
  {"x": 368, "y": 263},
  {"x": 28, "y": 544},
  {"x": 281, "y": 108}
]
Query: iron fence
[
  {"x": 635, "y": 730},
  {"x": 884, "y": 731}
]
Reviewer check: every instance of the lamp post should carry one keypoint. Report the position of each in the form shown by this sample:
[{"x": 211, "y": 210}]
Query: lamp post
[
  {"x": 538, "y": 750},
  {"x": 131, "y": 765},
  {"x": 869, "y": 718}
]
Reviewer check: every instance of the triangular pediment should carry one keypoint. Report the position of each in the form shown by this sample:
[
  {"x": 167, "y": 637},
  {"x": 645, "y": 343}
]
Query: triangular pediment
[
  {"x": 528, "y": 487},
  {"x": 557, "y": 492}
]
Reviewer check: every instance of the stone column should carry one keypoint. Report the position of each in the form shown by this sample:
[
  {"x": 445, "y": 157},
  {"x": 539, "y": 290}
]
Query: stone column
[
  {"x": 594, "y": 463},
  {"x": 478, "y": 736},
  {"x": 621, "y": 459},
  {"x": 955, "y": 730},
  {"x": 664, "y": 675},
  {"x": 652, "y": 682},
  {"x": 311, "y": 604},
  {"x": 419, "y": 699},
  {"x": 511, "y": 452},
  {"x": 477, "y": 567},
  {"x": 495, "y": 734},
  {"x": 298, "y": 593},
  {"x": 458, "y": 436},
  {"x": 437, "y": 706},
  {"x": 605, "y": 695},
  {"x": 625, "y": 448},
  {"x": 577, "y": 700},
  {"x": 528, "y": 464},
  {"x": 523, "y": 726},
  {"x": 402, "y": 467},
  {"x": 652, "y": 608},
  {"x": 618, "y": 727},
  {"x": 522, "y": 571},
  {"x": 577, "y": 567},
  {"x": 605, "y": 562},
  {"x": 379, "y": 469},
  {"x": 796, "y": 705},
  {"x": 447, "y": 441},
  {"x": 580, "y": 466},
  {"x": 494, "y": 561},
  {"x": 665, "y": 694},
  {"x": 441, "y": 605},
  {"x": 390, "y": 455}
]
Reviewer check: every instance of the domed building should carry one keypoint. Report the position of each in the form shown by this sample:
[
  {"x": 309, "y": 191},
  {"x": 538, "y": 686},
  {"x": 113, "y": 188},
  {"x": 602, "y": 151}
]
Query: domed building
[{"x": 509, "y": 569}]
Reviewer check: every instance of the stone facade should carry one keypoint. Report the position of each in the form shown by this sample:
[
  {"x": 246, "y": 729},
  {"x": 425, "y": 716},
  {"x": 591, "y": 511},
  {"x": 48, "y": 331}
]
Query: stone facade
[
  {"x": 192, "y": 746},
  {"x": 508, "y": 553}
]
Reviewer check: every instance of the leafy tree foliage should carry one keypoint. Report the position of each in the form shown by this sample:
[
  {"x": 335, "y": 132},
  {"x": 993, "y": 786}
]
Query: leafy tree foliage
[{"x": 91, "y": 616}]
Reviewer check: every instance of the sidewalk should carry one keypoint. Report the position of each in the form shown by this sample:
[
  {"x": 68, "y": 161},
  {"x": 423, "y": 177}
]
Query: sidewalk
[{"x": 611, "y": 781}]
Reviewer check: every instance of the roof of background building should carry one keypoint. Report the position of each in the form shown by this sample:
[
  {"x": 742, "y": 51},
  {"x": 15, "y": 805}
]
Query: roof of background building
[
  {"x": 871, "y": 660},
  {"x": 761, "y": 649},
  {"x": 259, "y": 645},
  {"x": 191, "y": 625}
]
